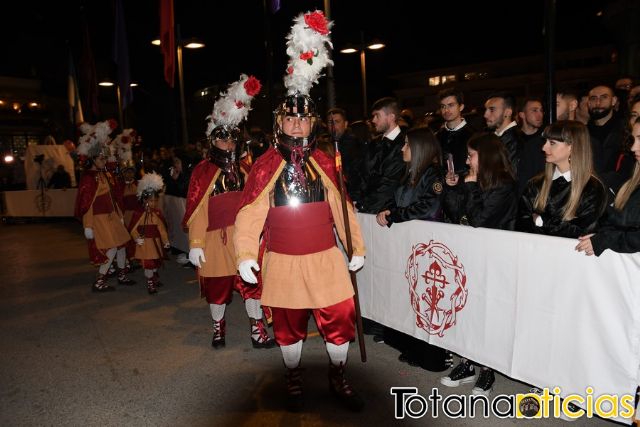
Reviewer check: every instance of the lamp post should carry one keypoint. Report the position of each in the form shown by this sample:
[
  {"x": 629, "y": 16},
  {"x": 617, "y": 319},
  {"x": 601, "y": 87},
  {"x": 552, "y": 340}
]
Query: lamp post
[
  {"x": 180, "y": 44},
  {"x": 109, "y": 83},
  {"x": 362, "y": 47}
]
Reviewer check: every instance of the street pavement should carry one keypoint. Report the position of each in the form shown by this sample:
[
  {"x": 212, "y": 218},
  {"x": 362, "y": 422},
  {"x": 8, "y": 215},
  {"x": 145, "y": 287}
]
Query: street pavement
[{"x": 71, "y": 357}]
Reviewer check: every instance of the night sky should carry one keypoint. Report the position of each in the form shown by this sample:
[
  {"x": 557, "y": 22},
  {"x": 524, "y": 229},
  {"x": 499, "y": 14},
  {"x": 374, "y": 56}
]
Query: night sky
[{"x": 419, "y": 35}]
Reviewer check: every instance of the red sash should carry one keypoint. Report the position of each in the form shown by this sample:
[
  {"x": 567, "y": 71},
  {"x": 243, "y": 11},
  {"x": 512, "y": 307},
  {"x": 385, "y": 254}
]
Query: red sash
[
  {"x": 131, "y": 202},
  {"x": 223, "y": 209},
  {"x": 102, "y": 204},
  {"x": 300, "y": 230},
  {"x": 149, "y": 231}
]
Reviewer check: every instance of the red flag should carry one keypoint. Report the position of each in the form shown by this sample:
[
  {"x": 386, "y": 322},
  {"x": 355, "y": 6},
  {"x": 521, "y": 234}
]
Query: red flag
[
  {"x": 121, "y": 57},
  {"x": 88, "y": 73},
  {"x": 167, "y": 40}
]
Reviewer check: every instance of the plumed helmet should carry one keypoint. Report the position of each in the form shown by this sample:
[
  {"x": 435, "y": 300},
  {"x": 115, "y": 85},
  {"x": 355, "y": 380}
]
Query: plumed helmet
[{"x": 301, "y": 107}]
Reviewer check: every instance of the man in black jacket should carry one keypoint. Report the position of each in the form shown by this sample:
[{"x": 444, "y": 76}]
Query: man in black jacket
[
  {"x": 383, "y": 167},
  {"x": 455, "y": 132},
  {"x": 606, "y": 128},
  {"x": 530, "y": 154},
  {"x": 350, "y": 149},
  {"x": 499, "y": 108}
]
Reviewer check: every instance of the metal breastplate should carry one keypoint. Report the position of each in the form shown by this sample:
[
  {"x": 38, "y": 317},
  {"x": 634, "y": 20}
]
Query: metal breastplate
[
  {"x": 288, "y": 191},
  {"x": 232, "y": 180}
]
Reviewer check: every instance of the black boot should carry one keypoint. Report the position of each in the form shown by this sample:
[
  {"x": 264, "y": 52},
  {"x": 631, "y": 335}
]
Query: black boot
[
  {"x": 259, "y": 331},
  {"x": 100, "y": 285},
  {"x": 151, "y": 286},
  {"x": 111, "y": 271},
  {"x": 123, "y": 279},
  {"x": 157, "y": 281},
  {"x": 341, "y": 389},
  {"x": 295, "y": 396},
  {"x": 219, "y": 327}
]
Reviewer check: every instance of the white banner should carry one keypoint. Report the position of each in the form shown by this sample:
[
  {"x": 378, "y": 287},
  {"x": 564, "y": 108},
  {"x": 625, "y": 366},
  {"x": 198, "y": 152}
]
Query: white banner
[
  {"x": 529, "y": 306},
  {"x": 54, "y": 155},
  {"x": 173, "y": 208},
  {"x": 34, "y": 203}
]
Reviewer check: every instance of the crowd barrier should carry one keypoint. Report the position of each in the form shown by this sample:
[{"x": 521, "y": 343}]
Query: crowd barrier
[
  {"x": 173, "y": 208},
  {"x": 529, "y": 306},
  {"x": 37, "y": 203}
]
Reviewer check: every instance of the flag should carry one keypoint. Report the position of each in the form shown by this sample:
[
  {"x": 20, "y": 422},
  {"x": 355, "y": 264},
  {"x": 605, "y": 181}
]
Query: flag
[
  {"x": 167, "y": 40},
  {"x": 121, "y": 57},
  {"x": 89, "y": 79},
  {"x": 75, "y": 106}
]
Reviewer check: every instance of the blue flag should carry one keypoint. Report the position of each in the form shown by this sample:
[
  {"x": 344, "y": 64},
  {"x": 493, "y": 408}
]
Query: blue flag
[{"x": 275, "y": 6}]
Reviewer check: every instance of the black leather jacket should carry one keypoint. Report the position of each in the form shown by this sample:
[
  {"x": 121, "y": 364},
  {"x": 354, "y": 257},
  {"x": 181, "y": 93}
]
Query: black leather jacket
[
  {"x": 383, "y": 170},
  {"x": 620, "y": 230},
  {"x": 420, "y": 202},
  {"x": 512, "y": 139},
  {"x": 455, "y": 142},
  {"x": 592, "y": 205},
  {"x": 467, "y": 204}
]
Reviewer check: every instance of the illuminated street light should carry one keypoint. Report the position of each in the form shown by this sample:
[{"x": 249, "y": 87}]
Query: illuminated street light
[
  {"x": 374, "y": 45},
  {"x": 105, "y": 84},
  {"x": 191, "y": 43}
]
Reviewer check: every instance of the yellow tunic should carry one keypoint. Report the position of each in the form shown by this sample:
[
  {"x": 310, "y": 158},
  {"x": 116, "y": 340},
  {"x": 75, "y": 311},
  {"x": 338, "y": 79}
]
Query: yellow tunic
[
  {"x": 217, "y": 245},
  {"x": 108, "y": 229},
  {"x": 299, "y": 281},
  {"x": 129, "y": 190},
  {"x": 150, "y": 249}
]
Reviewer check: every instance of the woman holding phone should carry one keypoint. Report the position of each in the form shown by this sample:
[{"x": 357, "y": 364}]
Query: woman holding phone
[{"x": 485, "y": 197}]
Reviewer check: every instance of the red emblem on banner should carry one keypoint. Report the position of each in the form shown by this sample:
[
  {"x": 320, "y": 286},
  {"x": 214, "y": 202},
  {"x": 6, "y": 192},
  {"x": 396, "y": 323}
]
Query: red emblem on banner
[{"x": 437, "y": 283}]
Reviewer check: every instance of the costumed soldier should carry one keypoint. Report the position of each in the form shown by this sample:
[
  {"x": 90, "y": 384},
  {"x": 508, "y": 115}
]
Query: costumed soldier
[
  {"x": 97, "y": 206},
  {"x": 127, "y": 186},
  {"x": 213, "y": 199},
  {"x": 149, "y": 229},
  {"x": 292, "y": 199}
]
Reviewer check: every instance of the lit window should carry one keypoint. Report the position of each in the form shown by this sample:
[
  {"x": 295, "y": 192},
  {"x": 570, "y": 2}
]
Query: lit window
[{"x": 434, "y": 81}]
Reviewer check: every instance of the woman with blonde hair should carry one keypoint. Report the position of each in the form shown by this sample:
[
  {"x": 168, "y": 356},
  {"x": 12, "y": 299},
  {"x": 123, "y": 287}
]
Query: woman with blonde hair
[
  {"x": 620, "y": 226},
  {"x": 566, "y": 200}
]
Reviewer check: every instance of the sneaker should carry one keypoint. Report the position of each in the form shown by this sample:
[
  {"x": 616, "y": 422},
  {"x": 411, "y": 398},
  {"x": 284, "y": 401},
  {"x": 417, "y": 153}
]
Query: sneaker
[
  {"x": 485, "y": 382},
  {"x": 379, "y": 339},
  {"x": 462, "y": 374},
  {"x": 182, "y": 258}
]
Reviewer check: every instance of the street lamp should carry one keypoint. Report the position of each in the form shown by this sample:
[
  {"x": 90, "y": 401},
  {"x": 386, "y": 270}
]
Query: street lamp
[
  {"x": 109, "y": 83},
  {"x": 191, "y": 43},
  {"x": 362, "y": 47}
]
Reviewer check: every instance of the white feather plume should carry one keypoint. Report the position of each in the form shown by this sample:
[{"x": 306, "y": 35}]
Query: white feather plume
[
  {"x": 233, "y": 106},
  {"x": 95, "y": 139},
  {"x": 123, "y": 143},
  {"x": 308, "y": 52},
  {"x": 150, "y": 183}
]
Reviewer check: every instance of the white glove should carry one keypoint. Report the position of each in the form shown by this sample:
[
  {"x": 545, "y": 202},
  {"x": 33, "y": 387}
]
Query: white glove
[
  {"x": 245, "y": 270},
  {"x": 139, "y": 241},
  {"x": 356, "y": 263},
  {"x": 88, "y": 233},
  {"x": 196, "y": 256}
]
